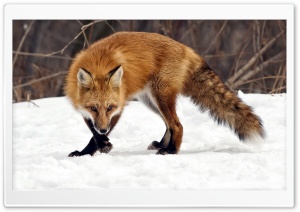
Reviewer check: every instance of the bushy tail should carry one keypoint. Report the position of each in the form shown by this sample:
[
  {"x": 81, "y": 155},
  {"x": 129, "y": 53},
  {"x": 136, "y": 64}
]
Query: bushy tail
[{"x": 207, "y": 91}]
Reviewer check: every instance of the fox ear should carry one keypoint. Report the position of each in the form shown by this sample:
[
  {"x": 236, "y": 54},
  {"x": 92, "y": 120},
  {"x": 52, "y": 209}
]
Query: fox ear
[
  {"x": 84, "y": 78},
  {"x": 115, "y": 76}
]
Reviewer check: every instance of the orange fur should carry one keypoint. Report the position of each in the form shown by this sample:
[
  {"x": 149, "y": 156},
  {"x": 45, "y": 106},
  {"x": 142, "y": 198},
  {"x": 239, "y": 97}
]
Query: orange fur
[{"x": 161, "y": 68}]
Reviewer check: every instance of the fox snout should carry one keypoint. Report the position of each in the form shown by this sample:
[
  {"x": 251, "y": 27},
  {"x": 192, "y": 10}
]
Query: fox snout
[{"x": 101, "y": 129}]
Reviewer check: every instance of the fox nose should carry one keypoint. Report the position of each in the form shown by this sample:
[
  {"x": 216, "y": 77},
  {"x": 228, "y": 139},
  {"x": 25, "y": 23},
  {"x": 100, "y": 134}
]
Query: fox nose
[{"x": 103, "y": 131}]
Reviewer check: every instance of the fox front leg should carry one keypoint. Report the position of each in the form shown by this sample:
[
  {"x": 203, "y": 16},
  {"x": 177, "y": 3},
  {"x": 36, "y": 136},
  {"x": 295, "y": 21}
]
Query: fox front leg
[
  {"x": 92, "y": 147},
  {"x": 97, "y": 142},
  {"x": 100, "y": 143}
]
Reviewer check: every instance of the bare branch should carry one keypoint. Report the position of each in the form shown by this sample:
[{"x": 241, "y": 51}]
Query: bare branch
[
  {"x": 215, "y": 39},
  {"x": 280, "y": 72},
  {"x": 251, "y": 73},
  {"x": 66, "y": 46},
  {"x": 33, "y": 103},
  {"x": 40, "y": 79},
  {"x": 124, "y": 28},
  {"x": 262, "y": 78},
  {"x": 42, "y": 55},
  {"x": 86, "y": 42},
  {"x": 277, "y": 89},
  {"x": 240, "y": 55},
  {"x": 28, "y": 98},
  {"x": 242, "y": 71},
  {"x": 22, "y": 41},
  {"x": 110, "y": 26},
  {"x": 83, "y": 28}
]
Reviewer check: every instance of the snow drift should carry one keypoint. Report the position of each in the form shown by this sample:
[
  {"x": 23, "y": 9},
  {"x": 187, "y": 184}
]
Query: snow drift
[{"x": 211, "y": 156}]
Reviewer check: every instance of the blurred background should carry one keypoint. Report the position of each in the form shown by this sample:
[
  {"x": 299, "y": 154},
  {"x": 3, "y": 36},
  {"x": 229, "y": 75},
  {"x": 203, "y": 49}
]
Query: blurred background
[{"x": 248, "y": 55}]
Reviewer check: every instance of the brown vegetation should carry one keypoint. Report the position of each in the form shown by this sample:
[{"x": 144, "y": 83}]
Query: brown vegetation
[{"x": 248, "y": 55}]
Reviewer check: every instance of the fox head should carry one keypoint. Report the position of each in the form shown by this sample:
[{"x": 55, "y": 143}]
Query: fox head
[{"x": 100, "y": 97}]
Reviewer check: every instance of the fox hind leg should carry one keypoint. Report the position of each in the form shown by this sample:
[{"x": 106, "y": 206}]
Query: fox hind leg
[
  {"x": 163, "y": 143},
  {"x": 147, "y": 98},
  {"x": 170, "y": 143},
  {"x": 173, "y": 135},
  {"x": 163, "y": 103}
]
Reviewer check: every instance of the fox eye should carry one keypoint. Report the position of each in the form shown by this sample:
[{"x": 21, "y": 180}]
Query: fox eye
[
  {"x": 93, "y": 108},
  {"x": 109, "y": 108}
]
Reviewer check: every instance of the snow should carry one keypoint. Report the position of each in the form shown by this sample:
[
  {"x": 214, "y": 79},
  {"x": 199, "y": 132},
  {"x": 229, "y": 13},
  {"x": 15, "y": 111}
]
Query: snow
[{"x": 211, "y": 156}]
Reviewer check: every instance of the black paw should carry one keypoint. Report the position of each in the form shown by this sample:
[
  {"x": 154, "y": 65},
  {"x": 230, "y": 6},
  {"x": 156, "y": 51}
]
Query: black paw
[
  {"x": 105, "y": 148},
  {"x": 165, "y": 151},
  {"x": 154, "y": 145},
  {"x": 75, "y": 153}
]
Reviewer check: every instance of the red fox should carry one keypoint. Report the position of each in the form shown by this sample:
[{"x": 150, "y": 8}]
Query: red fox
[{"x": 155, "y": 69}]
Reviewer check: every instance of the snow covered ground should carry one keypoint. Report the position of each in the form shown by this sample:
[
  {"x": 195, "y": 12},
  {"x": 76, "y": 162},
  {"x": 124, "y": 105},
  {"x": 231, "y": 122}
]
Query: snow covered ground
[{"x": 211, "y": 156}]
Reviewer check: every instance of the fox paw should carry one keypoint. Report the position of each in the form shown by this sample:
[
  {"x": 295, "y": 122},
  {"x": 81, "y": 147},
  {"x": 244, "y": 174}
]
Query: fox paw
[
  {"x": 106, "y": 148},
  {"x": 154, "y": 145},
  {"x": 165, "y": 151},
  {"x": 75, "y": 153}
]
